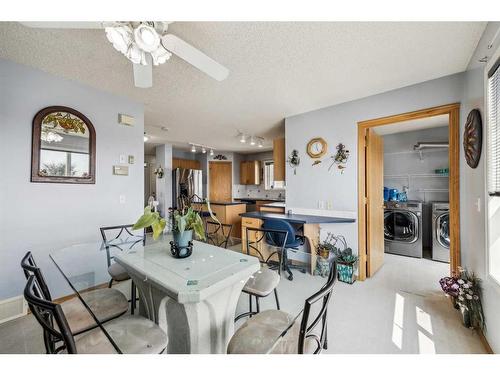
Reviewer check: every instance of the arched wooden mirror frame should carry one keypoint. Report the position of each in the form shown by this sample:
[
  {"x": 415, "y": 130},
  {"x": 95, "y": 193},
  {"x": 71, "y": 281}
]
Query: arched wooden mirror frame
[{"x": 36, "y": 147}]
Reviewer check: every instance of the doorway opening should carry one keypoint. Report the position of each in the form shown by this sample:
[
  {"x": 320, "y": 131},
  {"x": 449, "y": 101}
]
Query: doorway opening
[{"x": 422, "y": 168}]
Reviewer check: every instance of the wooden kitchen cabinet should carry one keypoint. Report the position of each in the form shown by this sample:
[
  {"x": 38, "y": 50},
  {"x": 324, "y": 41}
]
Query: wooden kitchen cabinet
[
  {"x": 279, "y": 159},
  {"x": 185, "y": 163},
  {"x": 250, "y": 172}
]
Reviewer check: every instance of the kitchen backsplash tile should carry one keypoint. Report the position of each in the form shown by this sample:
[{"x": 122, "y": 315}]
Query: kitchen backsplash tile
[{"x": 256, "y": 191}]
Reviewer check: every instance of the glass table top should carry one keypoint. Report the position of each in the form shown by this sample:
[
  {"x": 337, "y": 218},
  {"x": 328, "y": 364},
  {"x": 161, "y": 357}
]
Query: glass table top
[{"x": 85, "y": 267}]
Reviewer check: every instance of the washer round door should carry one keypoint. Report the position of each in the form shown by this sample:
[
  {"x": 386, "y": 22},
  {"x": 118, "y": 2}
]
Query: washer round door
[
  {"x": 401, "y": 226},
  {"x": 443, "y": 230}
]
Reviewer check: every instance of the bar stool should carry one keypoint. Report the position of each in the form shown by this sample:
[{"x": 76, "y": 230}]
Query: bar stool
[
  {"x": 115, "y": 270},
  {"x": 276, "y": 332},
  {"x": 218, "y": 234},
  {"x": 265, "y": 281}
]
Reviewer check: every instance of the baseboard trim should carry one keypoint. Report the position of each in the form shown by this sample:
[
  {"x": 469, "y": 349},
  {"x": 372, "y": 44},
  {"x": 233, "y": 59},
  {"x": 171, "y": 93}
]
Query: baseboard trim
[
  {"x": 485, "y": 343},
  {"x": 12, "y": 308}
]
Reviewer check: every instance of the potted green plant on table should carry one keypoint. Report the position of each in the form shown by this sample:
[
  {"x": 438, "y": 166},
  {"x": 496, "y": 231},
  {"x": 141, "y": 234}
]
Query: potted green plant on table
[{"x": 185, "y": 223}]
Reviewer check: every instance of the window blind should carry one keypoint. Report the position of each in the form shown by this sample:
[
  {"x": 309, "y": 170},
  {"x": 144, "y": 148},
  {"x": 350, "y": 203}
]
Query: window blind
[{"x": 494, "y": 130}]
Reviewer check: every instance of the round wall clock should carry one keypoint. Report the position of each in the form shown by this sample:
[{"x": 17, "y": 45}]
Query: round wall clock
[
  {"x": 316, "y": 148},
  {"x": 473, "y": 138}
]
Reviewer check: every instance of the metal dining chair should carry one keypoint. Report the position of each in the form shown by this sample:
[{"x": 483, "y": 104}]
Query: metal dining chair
[
  {"x": 115, "y": 270},
  {"x": 265, "y": 281},
  {"x": 107, "y": 304},
  {"x": 127, "y": 335},
  {"x": 277, "y": 332},
  {"x": 218, "y": 234}
]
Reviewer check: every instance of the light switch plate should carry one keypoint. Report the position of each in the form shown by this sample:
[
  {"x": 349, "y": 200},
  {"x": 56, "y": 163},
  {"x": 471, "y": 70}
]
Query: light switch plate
[
  {"x": 120, "y": 170},
  {"x": 123, "y": 159}
]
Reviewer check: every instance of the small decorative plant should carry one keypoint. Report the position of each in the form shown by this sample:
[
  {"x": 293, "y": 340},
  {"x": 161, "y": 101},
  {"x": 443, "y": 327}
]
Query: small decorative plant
[
  {"x": 294, "y": 160},
  {"x": 336, "y": 245},
  {"x": 159, "y": 172},
  {"x": 151, "y": 219},
  {"x": 465, "y": 289}
]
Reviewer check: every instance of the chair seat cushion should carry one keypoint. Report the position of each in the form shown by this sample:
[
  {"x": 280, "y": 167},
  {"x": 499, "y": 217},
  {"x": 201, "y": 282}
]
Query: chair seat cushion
[
  {"x": 117, "y": 272},
  {"x": 261, "y": 334},
  {"x": 106, "y": 304},
  {"x": 262, "y": 282},
  {"x": 132, "y": 334}
]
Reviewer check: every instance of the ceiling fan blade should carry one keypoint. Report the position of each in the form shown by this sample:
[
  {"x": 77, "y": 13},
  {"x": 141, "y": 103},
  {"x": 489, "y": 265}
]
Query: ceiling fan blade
[
  {"x": 143, "y": 74},
  {"x": 67, "y": 25},
  {"x": 195, "y": 57}
]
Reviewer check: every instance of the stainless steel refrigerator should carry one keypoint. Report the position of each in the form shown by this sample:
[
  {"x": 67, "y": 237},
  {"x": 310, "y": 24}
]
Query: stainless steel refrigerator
[{"x": 186, "y": 183}]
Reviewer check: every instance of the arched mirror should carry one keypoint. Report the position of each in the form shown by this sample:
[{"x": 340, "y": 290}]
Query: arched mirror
[{"x": 63, "y": 147}]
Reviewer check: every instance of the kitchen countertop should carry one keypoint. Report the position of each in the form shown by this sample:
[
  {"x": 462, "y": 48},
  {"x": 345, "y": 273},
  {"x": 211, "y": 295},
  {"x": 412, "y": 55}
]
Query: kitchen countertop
[
  {"x": 274, "y": 204},
  {"x": 299, "y": 219},
  {"x": 260, "y": 199},
  {"x": 228, "y": 203}
]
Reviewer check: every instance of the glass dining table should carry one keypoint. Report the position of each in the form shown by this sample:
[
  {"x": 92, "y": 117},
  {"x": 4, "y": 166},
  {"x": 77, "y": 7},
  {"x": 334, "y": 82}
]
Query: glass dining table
[{"x": 195, "y": 299}]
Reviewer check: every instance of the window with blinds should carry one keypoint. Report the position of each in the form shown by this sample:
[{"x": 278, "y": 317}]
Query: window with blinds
[{"x": 494, "y": 130}]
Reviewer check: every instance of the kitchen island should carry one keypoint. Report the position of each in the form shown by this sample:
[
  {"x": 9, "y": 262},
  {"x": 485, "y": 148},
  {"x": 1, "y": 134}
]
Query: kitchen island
[
  {"x": 229, "y": 213},
  {"x": 310, "y": 223}
]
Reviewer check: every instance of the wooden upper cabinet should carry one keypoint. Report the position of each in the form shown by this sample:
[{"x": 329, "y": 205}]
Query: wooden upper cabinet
[
  {"x": 279, "y": 159},
  {"x": 185, "y": 163},
  {"x": 250, "y": 172}
]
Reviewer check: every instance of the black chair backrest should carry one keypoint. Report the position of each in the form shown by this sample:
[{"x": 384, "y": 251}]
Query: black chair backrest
[
  {"x": 31, "y": 269},
  {"x": 255, "y": 238},
  {"x": 46, "y": 313},
  {"x": 275, "y": 239},
  {"x": 218, "y": 234},
  {"x": 308, "y": 323},
  {"x": 121, "y": 229}
]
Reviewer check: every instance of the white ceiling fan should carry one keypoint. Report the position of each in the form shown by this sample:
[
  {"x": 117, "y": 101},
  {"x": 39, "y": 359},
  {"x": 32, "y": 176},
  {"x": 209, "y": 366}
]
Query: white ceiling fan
[{"x": 145, "y": 44}]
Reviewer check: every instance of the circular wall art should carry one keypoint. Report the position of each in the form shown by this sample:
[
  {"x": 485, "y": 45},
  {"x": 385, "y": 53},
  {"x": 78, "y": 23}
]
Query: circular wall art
[{"x": 473, "y": 138}]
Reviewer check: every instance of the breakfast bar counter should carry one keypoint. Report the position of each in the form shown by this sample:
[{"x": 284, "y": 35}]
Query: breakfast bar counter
[
  {"x": 297, "y": 218},
  {"x": 310, "y": 223}
]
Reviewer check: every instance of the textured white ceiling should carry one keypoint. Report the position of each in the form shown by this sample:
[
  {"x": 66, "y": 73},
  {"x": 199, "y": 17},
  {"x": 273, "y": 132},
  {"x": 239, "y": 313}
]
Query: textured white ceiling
[
  {"x": 277, "y": 69},
  {"x": 412, "y": 125}
]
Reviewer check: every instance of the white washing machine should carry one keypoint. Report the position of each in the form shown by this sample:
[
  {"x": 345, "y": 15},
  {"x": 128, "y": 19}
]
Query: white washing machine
[{"x": 441, "y": 231}]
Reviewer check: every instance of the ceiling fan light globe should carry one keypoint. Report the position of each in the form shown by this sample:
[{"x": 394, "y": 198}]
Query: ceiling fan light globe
[
  {"x": 160, "y": 55},
  {"x": 146, "y": 38},
  {"x": 120, "y": 38},
  {"x": 134, "y": 54}
]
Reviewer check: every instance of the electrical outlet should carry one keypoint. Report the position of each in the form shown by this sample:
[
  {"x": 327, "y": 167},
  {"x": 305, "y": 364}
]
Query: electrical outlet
[
  {"x": 123, "y": 159},
  {"x": 478, "y": 204}
]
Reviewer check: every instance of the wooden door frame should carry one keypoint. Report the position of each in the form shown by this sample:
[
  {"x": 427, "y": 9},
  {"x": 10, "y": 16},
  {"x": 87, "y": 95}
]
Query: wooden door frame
[
  {"x": 209, "y": 177},
  {"x": 453, "y": 112}
]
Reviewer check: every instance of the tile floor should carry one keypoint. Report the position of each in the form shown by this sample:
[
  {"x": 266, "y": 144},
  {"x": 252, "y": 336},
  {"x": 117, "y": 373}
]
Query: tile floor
[{"x": 400, "y": 310}]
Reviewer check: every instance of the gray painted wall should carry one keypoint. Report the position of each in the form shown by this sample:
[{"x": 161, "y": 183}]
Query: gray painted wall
[
  {"x": 400, "y": 159},
  {"x": 339, "y": 124},
  {"x": 42, "y": 217}
]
